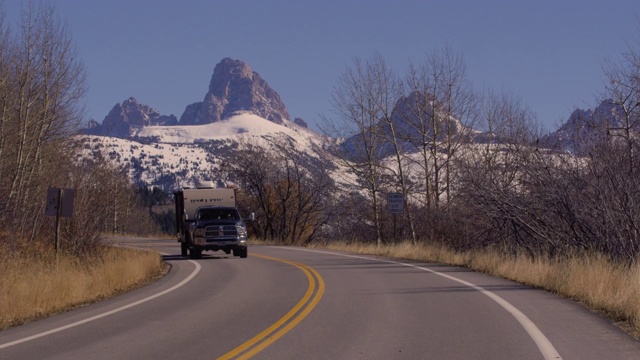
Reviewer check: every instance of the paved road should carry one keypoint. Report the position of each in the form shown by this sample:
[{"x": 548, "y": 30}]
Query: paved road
[{"x": 290, "y": 303}]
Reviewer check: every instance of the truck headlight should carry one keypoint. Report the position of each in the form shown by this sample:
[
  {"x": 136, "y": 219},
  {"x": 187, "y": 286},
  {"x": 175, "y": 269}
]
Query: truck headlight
[
  {"x": 242, "y": 230},
  {"x": 199, "y": 232}
]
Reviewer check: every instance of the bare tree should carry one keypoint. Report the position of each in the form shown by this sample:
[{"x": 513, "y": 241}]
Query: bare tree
[
  {"x": 357, "y": 99},
  {"x": 40, "y": 105},
  {"x": 41, "y": 85},
  {"x": 439, "y": 114},
  {"x": 546, "y": 202},
  {"x": 291, "y": 196},
  {"x": 497, "y": 177},
  {"x": 619, "y": 212},
  {"x": 386, "y": 91},
  {"x": 623, "y": 88}
]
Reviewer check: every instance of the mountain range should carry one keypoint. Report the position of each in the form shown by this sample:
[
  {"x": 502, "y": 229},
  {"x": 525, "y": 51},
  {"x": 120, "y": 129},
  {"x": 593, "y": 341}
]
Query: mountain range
[
  {"x": 240, "y": 107},
  {"x": 233, "y": 88},
  {"x": 161, "y": 150}
]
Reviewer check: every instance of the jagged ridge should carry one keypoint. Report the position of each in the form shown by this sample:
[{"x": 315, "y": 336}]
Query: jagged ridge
[{"x": 233, "y": 88}]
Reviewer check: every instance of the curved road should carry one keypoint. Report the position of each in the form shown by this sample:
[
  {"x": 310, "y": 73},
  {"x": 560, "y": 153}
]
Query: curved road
[{"x": 292, "y": 303}]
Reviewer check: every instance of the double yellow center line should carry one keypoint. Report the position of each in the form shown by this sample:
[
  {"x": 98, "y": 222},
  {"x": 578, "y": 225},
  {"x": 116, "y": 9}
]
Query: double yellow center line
[{"x": 288, "y": 321}]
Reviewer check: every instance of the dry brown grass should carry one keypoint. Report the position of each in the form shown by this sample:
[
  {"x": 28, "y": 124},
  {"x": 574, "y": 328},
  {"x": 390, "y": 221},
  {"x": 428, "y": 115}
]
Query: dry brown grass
[
  {"x": 595, "y": 281},
  {"x": 35, "y": 286}
]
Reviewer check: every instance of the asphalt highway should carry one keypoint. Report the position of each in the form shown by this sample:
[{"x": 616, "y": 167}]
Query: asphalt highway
[{"x": 294, "y": 303}]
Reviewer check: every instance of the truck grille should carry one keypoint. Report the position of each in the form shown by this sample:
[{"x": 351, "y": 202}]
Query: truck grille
[{"x": 218, "y": 231}]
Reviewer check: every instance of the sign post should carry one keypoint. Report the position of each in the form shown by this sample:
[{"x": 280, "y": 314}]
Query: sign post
[
  {"x": 59, "y": 204},
  {"x": 395, "y": 206}
]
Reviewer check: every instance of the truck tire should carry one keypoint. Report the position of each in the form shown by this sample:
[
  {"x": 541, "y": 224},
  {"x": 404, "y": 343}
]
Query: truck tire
[
  {"x": 196, "y": 253},
  {"x": 240, "y": 252},
  {"x": 184, "y": 249}
]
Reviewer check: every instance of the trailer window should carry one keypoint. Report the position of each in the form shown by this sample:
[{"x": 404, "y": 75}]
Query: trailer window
[{"x": 218, "y": 214}]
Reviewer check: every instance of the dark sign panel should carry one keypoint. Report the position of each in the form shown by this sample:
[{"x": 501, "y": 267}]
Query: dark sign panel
[{"x": 62, "y": 199}]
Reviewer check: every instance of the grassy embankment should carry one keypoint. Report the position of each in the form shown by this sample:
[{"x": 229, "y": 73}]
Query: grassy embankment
[
  {"x": 34, "y": 286},
  {"x": 594, "y": 281}
]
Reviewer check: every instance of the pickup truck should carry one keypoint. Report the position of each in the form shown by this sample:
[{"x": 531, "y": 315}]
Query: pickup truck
[
  {"x": 217, "y": 228},
  {"x": 207, "y": 219}
]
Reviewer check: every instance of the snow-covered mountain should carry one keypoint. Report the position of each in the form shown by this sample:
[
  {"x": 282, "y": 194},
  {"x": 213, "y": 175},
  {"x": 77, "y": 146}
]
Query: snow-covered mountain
[
  {"x": 584, "y": 127},
  {"x": 233, "y": 88},
  {"x": 173, "y": 156},
  {"x": 240, "y": 109},
  {"x": 240, "y": 123},
  {"x": 126, "y": 116}
]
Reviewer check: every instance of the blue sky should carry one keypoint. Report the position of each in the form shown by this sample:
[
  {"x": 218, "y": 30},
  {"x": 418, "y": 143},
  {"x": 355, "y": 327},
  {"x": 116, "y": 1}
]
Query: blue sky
[{"x": 549, "y": 53}]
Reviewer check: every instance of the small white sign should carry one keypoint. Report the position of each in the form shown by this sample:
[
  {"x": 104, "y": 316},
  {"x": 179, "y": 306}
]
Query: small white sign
[{"x": 395, "y": 203}]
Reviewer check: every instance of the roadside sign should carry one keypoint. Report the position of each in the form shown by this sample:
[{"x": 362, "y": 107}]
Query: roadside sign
[
  {"x": 395, "y": 203},
  {"x": 59, "y": 204},
  {"x": 62, "y": 199}
]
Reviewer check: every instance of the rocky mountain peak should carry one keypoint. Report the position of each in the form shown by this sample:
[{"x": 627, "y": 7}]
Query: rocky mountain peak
[
  {"x": 586, "y": 126},
  {"x": 228, "y": 72},
  {"x": 235, "y": 87},
  {"x": 300, "y": 122},
  {"x": 127, "y": 115}
]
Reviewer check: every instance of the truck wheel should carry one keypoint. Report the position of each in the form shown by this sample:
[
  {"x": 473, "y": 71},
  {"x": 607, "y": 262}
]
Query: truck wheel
[
  {"x": 240, "y": 252},
  {"x": 184, "y": 250},
  {"x": 196, "y": 253}
]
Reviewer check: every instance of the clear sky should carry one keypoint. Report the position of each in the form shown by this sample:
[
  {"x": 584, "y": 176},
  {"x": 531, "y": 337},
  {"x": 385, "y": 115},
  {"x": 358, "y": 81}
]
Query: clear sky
[{"x": 548, "y": 52}]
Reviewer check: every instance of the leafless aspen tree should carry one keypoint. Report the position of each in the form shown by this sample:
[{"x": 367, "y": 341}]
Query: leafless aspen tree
[
  {"x": 356, "y": 100},
  {"x": 291, "y": 197},
  {"x": 496, "y": 175},
  {"x": 42, "y": 83},
  {"x": 386, "y": 93},
  {"x": 439, "y": 114},
  {"x": 623, "y": 88},
  {"x": 614, "y": 163}
]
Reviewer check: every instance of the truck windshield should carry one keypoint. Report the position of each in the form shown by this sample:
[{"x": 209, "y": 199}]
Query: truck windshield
[{"x": 218, "y": 214}]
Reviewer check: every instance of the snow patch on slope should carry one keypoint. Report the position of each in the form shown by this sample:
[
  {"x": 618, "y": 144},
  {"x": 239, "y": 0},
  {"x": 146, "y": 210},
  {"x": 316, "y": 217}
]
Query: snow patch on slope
[
  {"x": 237, "y": 125},
  {"x": 174, "y": 156}
]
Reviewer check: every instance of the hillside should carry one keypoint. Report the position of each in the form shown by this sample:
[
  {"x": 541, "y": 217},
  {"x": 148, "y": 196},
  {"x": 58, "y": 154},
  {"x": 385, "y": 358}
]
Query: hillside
[{"x": 174, "y": 156}]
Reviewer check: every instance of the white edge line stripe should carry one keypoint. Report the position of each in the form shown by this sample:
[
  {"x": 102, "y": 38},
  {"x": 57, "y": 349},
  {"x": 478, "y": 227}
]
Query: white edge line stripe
[
  {"x": 111, "y": 312},
  {"x": 544, "y": 345}
]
